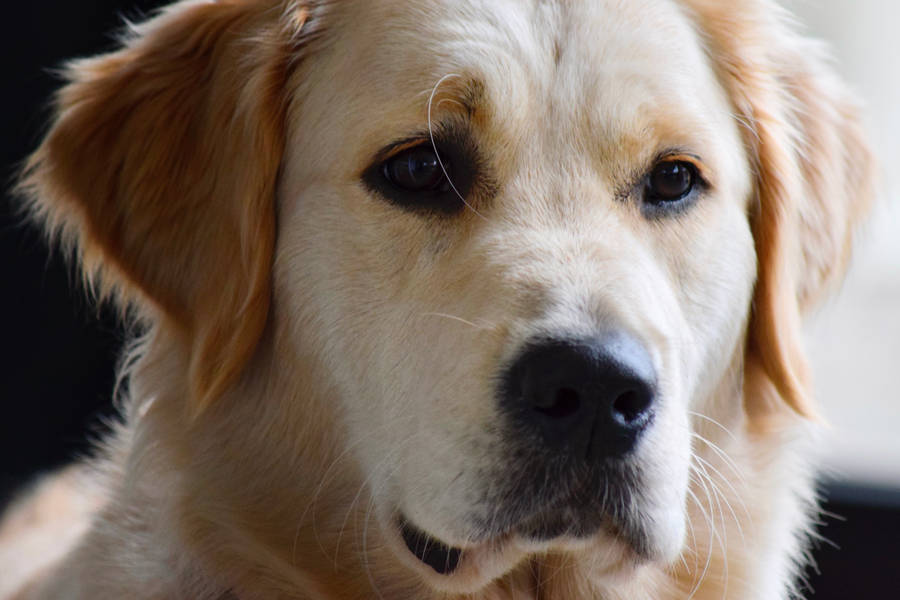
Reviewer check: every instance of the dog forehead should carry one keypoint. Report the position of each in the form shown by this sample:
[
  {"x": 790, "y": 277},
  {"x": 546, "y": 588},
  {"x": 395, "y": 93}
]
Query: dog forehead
[
  {"x": 606, "y": 54},
  {"x": 617, "y": 81}
]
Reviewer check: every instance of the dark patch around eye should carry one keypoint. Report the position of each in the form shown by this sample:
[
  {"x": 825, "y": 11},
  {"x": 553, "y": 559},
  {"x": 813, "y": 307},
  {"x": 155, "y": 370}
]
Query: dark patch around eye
[{"x": 409, "y": 173}]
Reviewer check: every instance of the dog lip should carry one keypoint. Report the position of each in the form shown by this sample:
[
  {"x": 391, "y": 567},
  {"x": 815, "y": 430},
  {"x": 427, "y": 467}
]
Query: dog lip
[
  {"x": 439, "y": 556},
  {"x": 563, "y": 526}
]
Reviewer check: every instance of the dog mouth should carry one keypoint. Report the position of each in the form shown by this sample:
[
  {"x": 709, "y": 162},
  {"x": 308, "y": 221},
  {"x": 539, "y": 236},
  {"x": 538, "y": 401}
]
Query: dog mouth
[
  {"x": 550, "y": 526},
  {"x": 566, "y": 524},
  {"x": 436, "y": 554},
  {"x": 593, "y": 505}
]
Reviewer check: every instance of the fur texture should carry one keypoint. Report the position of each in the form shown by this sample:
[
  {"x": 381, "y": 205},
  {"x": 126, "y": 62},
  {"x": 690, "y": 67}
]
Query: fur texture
[{"x": 319, "y": 360}]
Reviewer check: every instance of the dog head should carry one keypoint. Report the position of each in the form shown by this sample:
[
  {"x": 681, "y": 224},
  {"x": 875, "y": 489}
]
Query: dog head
[{"x": 525, "y": 243}]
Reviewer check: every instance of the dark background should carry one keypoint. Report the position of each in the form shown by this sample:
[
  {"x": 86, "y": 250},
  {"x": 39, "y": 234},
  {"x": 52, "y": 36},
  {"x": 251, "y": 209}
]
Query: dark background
[{"x": 58, "y": 350}]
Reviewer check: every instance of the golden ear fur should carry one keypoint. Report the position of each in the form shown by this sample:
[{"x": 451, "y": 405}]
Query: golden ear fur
[
  {"x": 160, "y": 170},
  {"x": 814, "y": 178}
]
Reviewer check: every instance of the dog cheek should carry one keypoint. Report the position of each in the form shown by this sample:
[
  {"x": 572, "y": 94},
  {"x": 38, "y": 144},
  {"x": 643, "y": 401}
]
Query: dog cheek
[
  {"x": 714, "y": 285},
  {"x": 665, "y": 465}
]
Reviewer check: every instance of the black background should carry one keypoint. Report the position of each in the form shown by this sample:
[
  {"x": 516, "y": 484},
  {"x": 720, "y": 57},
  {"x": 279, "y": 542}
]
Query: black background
[{"x": 57, "y": 350}]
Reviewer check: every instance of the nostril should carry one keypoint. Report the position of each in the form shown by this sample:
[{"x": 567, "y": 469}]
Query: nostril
[
  {"x": 565, "y": 402},
  {"x": 631, "y": 406}
]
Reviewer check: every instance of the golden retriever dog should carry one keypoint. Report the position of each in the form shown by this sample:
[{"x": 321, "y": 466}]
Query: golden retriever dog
[{"x": 447, "y": 299}]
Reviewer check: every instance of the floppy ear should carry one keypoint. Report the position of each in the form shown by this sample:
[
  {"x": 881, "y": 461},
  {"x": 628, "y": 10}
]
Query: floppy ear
[
  {"x": 814, "y": 178},
  {"x": 161, "y": 167}
]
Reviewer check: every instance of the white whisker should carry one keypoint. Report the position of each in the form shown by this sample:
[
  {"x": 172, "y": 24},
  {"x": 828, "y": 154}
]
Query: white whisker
[
  {"x": 706, "y": 465},
  {"x": 714, "y": 422},
  {"x": 722, "y": 537},
  {"x": 721, "y": 454},
  {"x": 434, "y": 145},
  {"x": 706, "y": 566},
  {"x": 456, "y": 318}
]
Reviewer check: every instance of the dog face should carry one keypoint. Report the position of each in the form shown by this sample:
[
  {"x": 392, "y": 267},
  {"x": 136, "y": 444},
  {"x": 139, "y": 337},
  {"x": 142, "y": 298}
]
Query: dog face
[
  {"x": 525, "y": 244},
  {"x": 532, "y": 260}
]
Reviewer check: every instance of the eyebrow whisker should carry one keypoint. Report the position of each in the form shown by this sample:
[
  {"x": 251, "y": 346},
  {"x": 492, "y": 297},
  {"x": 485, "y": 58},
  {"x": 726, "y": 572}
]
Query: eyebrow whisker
[
  {"x": 434, "y": 145},
  {"x": 452, "y": 101}
]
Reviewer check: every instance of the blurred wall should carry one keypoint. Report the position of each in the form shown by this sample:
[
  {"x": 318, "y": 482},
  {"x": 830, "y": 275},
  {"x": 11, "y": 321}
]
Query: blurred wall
[{"x": 854, "y": 340}]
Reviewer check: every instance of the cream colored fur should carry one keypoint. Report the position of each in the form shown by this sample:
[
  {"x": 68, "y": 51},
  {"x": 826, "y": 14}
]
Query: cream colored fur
[{"x": 318, "y": 359}]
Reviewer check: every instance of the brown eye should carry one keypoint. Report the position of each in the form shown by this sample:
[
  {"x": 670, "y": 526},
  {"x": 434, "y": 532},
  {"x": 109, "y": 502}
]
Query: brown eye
[
  {"x": 417, "y": 170},
  {"x": 670, "y": 181},
  {"x": 423, "y": 174}
]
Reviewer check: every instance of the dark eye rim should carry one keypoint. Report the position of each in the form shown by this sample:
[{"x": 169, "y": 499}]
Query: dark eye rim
[
  {"x": 459, "y": 157},
  {"x": 655, "y": 206}
]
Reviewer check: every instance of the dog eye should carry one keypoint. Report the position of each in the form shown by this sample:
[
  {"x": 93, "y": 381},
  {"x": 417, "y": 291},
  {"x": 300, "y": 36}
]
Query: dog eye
[
  {"x": 417, "y": 169},
  {"x": 670, "y": 181},
  {"x": 425, "y": 176}
]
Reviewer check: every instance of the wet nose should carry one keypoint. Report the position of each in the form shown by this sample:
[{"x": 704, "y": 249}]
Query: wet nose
[{"x": 586, "y": 397}]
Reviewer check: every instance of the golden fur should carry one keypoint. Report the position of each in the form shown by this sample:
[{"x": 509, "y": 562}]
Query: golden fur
[{"x": 316, "y": 358}]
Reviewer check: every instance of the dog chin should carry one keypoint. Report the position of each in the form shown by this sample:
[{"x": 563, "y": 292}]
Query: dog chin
[
  {"x": 638, "y": 539},
  {"x": 616, "y": 550}
]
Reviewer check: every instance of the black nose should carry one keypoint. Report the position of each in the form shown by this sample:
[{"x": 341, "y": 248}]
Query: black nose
[{"x": 587, "y": 397}]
